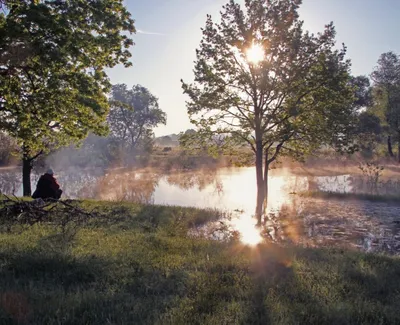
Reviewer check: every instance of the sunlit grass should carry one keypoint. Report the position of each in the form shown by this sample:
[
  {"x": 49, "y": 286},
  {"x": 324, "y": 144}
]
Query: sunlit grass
[{"x": 351, "y": 196}]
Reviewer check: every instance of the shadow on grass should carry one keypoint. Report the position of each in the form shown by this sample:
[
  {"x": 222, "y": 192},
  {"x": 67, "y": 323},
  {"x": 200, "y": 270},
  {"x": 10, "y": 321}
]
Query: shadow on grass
[
  {"x": 297, "y": 286},
  {"x": 50, "y": 286},
  {"x": 325, "y": 286},
  {"x": 210, "y": 283},
  {"x": 31, "y": 284},
  {"x": 151, "y": 217}
]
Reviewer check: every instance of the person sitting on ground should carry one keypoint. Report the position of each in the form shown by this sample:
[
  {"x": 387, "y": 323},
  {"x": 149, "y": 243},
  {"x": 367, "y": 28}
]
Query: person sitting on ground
[{"x": 47, "y": 187}]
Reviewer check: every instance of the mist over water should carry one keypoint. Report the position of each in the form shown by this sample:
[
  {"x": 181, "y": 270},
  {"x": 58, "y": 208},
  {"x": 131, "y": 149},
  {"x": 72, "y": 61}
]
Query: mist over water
[
  {"x": 226, "y": 189},
  {"x": 368, "y": 226}
]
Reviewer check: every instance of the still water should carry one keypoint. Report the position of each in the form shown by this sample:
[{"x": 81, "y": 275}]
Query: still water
[
  {"x": 227, "y": 189},
  {"x": 364, "y": 225}
]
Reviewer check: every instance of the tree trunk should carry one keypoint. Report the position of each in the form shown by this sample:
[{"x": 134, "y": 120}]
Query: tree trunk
[
  {"x": 26, "y": 176},
  {"x": 390, "y": 150},
  {"x": 266, "y": 170},
  {"x": 260, "y": 182},
  {"x": 398, "y": 148}
]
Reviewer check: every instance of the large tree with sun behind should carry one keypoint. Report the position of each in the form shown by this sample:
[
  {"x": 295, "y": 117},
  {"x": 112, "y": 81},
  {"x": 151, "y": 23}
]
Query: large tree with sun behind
[{"x": 261, "y": 80}]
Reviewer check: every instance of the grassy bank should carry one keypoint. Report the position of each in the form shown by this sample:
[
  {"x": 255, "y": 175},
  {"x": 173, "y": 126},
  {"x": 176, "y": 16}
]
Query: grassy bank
[
  {"x": 139, "y": 267},
  {"x": 351, "y": 196}
]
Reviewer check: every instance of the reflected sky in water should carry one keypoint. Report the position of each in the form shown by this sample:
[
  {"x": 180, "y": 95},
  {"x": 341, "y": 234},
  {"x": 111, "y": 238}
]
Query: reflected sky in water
[
  {"x": 364, "y": 225},
  {"x": 226, "y": 189}
]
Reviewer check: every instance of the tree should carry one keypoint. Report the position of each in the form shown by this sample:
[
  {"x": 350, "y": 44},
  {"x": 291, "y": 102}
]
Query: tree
[
  {"x": 386, "y": 77},
  {"x": 133, "y": 115},
  {"x": 262, "y": 81},
  {"x": 368, "y": 132},
  {"x": 53, "y": 56},
  {"x": 363, "y": 92},
  {"x": 190, "y": 131},
  {"x": 368, "y": 129},
  {"x": 165, "y": 141}
]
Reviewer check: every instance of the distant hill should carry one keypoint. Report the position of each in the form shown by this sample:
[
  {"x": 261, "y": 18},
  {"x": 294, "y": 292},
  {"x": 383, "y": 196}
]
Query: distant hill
[{"x": 171, "y": 140}]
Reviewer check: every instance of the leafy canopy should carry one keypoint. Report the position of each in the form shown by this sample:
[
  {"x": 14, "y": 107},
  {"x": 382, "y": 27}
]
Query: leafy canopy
[
  {"x": 386, "y": 77},
  {"x": 53, "y": 56},
  {"x": 261, "y": 80},
  {"x": 133, "y": 115}
]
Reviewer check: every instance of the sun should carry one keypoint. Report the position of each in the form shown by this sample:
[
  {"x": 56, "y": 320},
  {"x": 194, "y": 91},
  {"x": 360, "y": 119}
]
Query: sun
[{"x": 255, "y": 54}]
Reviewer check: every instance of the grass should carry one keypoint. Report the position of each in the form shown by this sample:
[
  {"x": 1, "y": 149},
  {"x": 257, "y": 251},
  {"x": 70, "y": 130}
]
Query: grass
[
  {"x": 141, "y": 268},
  {"x": 351, "y": 196}
]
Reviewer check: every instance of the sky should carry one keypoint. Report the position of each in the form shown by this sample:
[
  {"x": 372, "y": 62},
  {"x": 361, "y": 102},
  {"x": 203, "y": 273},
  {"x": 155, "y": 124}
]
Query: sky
[{"x": 169, "y": 31}]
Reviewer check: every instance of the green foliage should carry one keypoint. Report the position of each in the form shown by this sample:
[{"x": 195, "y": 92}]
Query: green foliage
[
  {"x": 386, "y": 79},
  {"x": 133, "y": 115},
  {"x": 261, "y": 81},
  {"x": 296, "y": 98},
  {"x": 369, "y": 123},
  {"x": 142, "y": 268},
  {"x": 369, "y": 133},
  {"x": 206, "y": 142},
  {"x": 8, "y": 149},
  {"x": 363, "y": 91},
  {"x": 53, "y": 56}
]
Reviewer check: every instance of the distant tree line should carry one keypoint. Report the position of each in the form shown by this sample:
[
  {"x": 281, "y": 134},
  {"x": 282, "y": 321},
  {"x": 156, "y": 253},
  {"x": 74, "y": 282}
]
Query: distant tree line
[
  {"x": 133, "y": 115},
  {"x": 377, "y": 129}
]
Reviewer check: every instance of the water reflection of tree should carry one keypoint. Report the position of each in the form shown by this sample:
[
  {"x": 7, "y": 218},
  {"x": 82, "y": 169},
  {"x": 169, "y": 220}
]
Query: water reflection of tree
[
  {"x": 199, "y": 179},
  {"x": 382, "y": 187},
  {"x": 283, "y": 224},
  {"x": 10, "y": 182},
  {"x": 132, "y": 186},
  {"x": 360, "y": 224},
  {"x": 79, "y": 186}
]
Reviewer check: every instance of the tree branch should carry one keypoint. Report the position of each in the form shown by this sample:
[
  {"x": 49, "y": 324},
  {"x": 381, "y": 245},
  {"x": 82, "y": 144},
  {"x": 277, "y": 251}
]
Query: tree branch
[{"x": 253, "y": 148}]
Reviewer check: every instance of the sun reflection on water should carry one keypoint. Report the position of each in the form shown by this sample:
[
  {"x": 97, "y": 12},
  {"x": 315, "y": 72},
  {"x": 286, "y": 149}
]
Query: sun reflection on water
[
  {"x": 242, "y": 196},
  {"x": 249, "y": 232}
]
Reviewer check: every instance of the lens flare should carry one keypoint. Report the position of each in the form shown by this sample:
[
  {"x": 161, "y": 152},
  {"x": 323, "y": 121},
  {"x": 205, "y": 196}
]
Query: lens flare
[
  {"x": 255, "y": 54},
  {"x": 249, "y": 233}
]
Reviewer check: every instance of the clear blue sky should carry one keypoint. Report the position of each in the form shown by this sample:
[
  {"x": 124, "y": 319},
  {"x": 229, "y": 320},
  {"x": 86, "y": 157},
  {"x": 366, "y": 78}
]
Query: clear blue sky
[{"x": 169, "y": 32}]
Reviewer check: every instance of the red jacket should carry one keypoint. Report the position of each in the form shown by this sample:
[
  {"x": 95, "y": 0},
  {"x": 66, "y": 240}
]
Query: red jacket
[{"x": 47, "y": 187}]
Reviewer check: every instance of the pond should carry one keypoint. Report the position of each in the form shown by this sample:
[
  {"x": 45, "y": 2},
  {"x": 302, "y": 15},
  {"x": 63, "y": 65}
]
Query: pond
[
  {"x": 364, "y": 225},
  {"x": 227, "y": 189}
]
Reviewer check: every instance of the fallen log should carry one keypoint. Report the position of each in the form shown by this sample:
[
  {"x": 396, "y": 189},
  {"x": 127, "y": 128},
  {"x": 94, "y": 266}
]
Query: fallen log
[{"x": 14, "y": 210}]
